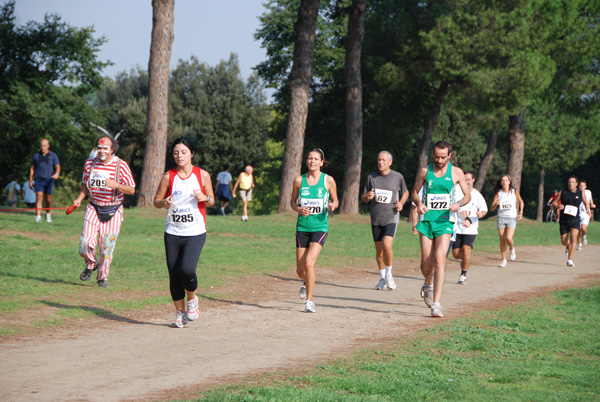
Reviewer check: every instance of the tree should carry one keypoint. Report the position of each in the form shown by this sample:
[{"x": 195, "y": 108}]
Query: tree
[
  {"x": 300, "y": 77},
  {"x": 354, "y": 115},
  {"x": 158, "y": 97},
  {"x": 46, "y": 68}
]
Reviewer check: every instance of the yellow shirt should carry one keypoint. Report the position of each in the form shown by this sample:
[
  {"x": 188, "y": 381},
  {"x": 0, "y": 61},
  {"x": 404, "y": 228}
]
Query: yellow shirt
[{"x": 245, "y": 181}]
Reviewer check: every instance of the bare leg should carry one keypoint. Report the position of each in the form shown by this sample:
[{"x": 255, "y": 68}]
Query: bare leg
[{"x": 305, "y": 266}]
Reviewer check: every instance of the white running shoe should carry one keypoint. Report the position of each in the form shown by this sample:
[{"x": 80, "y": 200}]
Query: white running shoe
[
  {"x": 180, "y": 319},
  {"x": 570, "y": 263},
  {"x": 38, "y": 218},
  {"x": 436, "y": 311},
  {"x": 462, "y": 279},
  {"x": 381, "y": 284},
  {"x": 513, "y": 254},
  {"x": 427, "y": 294},
  {"x": 579, "y": 246},
  {"x": 390, "y": 282},
  {"x": 309, "y": 306},
  {"x": 585, "y": 240},
  {"x": 193, "y": 312},
  {"x": 302, "y": 292},
  {"x": 502, "y": 264},
  {"x": 48, "y": 218}
]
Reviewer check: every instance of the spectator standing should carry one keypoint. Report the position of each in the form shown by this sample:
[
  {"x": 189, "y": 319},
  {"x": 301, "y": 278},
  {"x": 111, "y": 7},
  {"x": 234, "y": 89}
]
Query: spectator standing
[{"x": 45, "y": 168}]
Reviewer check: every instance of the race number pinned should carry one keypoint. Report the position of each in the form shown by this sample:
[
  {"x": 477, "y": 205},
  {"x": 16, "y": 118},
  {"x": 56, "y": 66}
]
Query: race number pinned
[
  {"x": 570, "y": 210},
  {"x": 383, "y": 196},
  {"x": 98, "y": 179},
  {"x": 438, "y": 201},
  {"x": 505, "y": 206},
  {"x": 314, "y": 205}
]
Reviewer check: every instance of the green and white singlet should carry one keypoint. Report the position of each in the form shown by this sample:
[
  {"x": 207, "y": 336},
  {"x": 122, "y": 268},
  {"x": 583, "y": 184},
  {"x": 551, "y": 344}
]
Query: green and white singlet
[
  {"x": 316, "y": 198},
  {"x": 438, "y": 196}
]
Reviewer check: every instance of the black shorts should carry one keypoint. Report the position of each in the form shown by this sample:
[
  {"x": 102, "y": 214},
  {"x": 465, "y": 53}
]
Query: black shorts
[
  {"x": 567, "y": 224},
  {"x": 383, "y": 230},
  {"x": 303, "y": 238},
  {"x": 464, "y": 240}
]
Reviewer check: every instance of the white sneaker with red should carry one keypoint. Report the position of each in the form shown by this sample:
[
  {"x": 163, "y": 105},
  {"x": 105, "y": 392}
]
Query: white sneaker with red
[
  {"x": 193, "y": 312},
  {"x": 180, "y": 319}
]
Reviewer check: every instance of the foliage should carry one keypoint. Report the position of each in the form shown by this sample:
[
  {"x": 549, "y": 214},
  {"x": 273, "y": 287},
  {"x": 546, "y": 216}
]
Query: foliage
[{"x": 45, "y": 70}]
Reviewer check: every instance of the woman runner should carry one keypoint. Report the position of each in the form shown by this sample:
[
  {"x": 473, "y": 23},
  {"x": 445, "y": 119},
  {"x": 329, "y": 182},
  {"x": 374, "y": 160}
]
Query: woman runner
[
  {"x": 186, "y": 191},
  {"x": 506, "y": 198},
  {"x": 314, "y": 195}
]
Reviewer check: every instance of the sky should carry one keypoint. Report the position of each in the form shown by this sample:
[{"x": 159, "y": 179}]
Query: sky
[{"x": 209, "y": 29}]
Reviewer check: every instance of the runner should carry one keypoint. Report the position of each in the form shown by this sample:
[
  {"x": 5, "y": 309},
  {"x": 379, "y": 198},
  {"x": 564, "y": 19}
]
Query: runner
[
  {"x": 388, "y": 191},
  {"x": 585, "y": 217},
  {"x": 438, "y": 207},
  {"x": 314, "y": 195},
  {"x": 106, "y": 178},
  {"x": 506, "y": 198},
  {"x": 186, "y": 190},
  {"x": 570, "y": 223},
  {"x": 466, "y": 226}
]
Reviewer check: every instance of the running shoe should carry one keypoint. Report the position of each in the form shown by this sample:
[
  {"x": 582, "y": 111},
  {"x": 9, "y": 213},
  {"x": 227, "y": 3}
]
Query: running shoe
[
  {"x": 302, "y": 292},
  {"x": 513, "y": 254},
  {"x": 309, "y": 306},
  {"x": 86, "y": 275},
  {"x": 585, "y": 240},
  {"x": 427, "y": 294},
  {"x": 502, "y": 264},
  {"x": 579, "y": 246},
  {"x": 390, "y": 282},
  {"x": 180, "y": 319},
  {"x": 381, "y": 284},
  {"x": 462, "y": 279},
  {"x": 48, "y": 218},
  {"x": 38, "y": 218},
  {"x": 192, "y": 309},
  {"x": 570, "y": 263},
  {"x": 436, "y": 311},
  {"x": 103, "y": 283}
]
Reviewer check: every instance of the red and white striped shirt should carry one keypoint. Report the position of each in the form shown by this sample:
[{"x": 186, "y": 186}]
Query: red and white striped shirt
[{"x": 99, "y": 194}]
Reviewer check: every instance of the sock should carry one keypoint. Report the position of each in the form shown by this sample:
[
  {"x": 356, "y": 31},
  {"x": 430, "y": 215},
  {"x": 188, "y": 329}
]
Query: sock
[
  {"x": 428, "y": 285},
  {"x": 435, "y": 305},
  {"x": 463, "y": 272},
  {"x": 388, "y": 270},
  {"x": 382, "y": 273}
]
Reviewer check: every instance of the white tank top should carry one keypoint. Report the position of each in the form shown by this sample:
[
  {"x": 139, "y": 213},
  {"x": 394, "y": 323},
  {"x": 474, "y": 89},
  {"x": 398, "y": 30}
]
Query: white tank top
[
  {"x": 507, "y": 204},
  {"x": 186, "y": 217}
]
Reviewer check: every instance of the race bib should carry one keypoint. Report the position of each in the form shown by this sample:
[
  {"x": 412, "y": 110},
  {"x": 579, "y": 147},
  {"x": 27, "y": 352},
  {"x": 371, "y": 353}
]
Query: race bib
[
  {"x": 98, "y": 179},
  {"x": 438, "y": 201},
  {"x": 315, "y": 206},
  {"x": 182, "y": 218},
  {"x": 383, "y": 196},
  {"x": 570, "y": 210},
  {"x": 505, "y": 205}
]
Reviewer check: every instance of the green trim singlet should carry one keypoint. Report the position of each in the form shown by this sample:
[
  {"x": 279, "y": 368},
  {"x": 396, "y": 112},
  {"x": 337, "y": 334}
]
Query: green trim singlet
[
  {"x": 316, "y": 198},
  {"x": 438, "y": 195}
]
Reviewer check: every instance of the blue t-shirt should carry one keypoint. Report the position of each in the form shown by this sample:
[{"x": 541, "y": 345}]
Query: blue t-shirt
[{"x": 44, "y": 165}]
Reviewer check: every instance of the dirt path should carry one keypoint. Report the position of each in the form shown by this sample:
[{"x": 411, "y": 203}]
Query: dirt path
[{"x": 142, "y": 358}]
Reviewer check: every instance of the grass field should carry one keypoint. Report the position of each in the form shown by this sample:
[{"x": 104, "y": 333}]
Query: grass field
[
  {"x": 543, "y": 350},
  {"x": 41, "y": 265}
]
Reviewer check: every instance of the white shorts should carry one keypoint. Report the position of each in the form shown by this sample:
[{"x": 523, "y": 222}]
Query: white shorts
[
  {"x": 584, "y": 218},
  {"x": 246, "y": 195}
]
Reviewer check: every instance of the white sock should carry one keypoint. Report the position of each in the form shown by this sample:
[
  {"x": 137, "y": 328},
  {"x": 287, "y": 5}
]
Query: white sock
[
  {"x": 382, "y": 273},
  {"x": 388, "y": 270}
]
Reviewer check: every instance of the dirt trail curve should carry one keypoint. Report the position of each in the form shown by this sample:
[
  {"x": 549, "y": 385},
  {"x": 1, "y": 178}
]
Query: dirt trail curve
[{"x": 141, "y": 358}]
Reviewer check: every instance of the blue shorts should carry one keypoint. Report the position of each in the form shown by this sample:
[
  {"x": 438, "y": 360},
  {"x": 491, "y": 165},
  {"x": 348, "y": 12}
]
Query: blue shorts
[
  {"x": 45, "y": 186},
  {"x": 223, "y": 193}
]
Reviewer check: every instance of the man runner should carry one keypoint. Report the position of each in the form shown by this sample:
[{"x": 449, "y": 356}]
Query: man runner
[
  {"x": 387, "y": 190},
  {"x": 438, "y": 207}
]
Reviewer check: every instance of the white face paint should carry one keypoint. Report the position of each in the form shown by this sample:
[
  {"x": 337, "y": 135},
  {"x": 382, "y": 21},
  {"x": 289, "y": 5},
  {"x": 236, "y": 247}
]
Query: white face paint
[{"x": 104, "y": 149}]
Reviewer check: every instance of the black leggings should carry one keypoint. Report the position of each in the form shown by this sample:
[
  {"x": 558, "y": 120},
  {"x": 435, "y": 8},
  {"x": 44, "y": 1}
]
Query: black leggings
[{"x": 183, "y": 253}]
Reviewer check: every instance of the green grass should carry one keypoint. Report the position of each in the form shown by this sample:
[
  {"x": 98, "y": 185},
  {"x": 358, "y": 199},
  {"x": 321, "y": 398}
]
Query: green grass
[
  {"x": 41, "y": 265},
  {"x": 544, "y": 350}
]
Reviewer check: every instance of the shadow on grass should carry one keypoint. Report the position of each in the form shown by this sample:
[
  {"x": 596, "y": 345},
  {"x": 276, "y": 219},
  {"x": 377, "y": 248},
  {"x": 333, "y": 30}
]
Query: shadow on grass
[
  {"x": 40, "y": 279},
  {"x": 98, "y": 312}
]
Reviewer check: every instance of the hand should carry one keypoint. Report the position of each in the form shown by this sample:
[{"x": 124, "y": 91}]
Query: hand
[
  {"x": 467, "y": 223},
  {"x": 77, "y": 202},
  {"x": 414, "y": 230},
  {"x": 31, "y": 184},
  {"x": 398, "y": 205},
  {"x": 111, "y": 183},
  {"x": 331, "y": 207},
  {"x": 55, "y": 176},
  {"x": 421, "y": 208},
  {"x": 520, "y": 215},
  {"x": 168, "y": 202},
  {"x": 370, "y": 195},
  {"x": 304, "y": 211},
  {"x": 455, "y": 207},
  {"x": 200, "y": 196},
  {"x": 233, "y": 194}
]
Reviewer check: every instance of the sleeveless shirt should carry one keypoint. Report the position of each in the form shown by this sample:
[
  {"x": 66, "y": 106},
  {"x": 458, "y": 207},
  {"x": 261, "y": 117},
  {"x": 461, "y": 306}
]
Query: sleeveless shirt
[
  {"x": 186, "y": 217},
  {"x": 438, "y": 196},
  {"x": 316, "y": 198}
]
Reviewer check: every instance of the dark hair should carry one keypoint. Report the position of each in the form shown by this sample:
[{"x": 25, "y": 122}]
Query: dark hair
[
  {"x": 184, "y": 141},
  {"x": 469, "y": 172},
  {"x": 225, "y": 167},
  {"x": 320, "y": 152},
  {"x": 583, "y": 181},
  {"x": 499, "y": 184},
  {"x": 113, "y": 144},
  {"x": 574, "y": 177},
  {"x": 443, "y": 145}
]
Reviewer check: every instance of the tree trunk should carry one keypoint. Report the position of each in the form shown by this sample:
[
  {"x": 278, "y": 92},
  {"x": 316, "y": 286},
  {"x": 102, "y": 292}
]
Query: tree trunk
[
  {"x": 486, "y": 161},
  {"x": 516, "y": 149},
  {"x": 540, "y": 200},
  {"x": 158, "y": 96},
  {"x": 430, "y": 124},
  {"x": 299, "y": 81},
  {"x": 354, "y": 132}
]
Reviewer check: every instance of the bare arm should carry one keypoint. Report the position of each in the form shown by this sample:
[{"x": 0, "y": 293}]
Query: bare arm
[
  {"x": 31, "y": 173},
  {"x": 333, "y": 198},
  {"x": 460, "y": 179},
  {"x": 57, "y": 172},
  {"x": 160, "y": 199},
  {"x": 294, "y": 197},
  {"x": 237, "y": 182},
  {"x": 555, "y": 203},
  {"x": 421, "y": 208},
  {"x": 494, "y": 202},
  {"x": 124, "y": 188},
  {"x": 521, "y": 205},
  {"x": 82, "y": 193},
  {"x": 400, "y": 203},
  {"x": 208, "y": 189}
]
